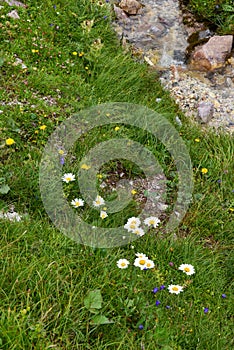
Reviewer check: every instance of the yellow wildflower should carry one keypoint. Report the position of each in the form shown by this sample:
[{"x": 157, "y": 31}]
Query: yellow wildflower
[
  {"x": 85, "y": 166},
  {"x": 74, "y": 53},
  {"x": 81, "y": 54},
  {"x": 133, "y": 192},
  {"x": 34, "y": 51},
  {"x": 9, "y": 142},
  {"x": 204, "y": 171},
  {"x": 117, "y": 128},
  {"x": 43, "y": 127},
  {"x": 197, "y": 140}
]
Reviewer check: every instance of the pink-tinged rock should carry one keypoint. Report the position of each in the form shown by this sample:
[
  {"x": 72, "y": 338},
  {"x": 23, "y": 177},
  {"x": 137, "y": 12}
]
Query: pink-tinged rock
[
  {"x": 13, "y": 14},
  {"x": 205, "y": 111},
  {"x": 213, "y": 54},
  {"x": 131, "y": 7}
]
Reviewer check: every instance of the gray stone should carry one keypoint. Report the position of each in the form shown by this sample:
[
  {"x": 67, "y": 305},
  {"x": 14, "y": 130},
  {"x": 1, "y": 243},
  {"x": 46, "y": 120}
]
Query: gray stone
[{"x": 205, "y": 111}]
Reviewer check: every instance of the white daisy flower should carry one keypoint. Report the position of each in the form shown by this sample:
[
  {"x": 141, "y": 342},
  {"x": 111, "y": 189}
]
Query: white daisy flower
[
  {"x": 149, "y": 264},
  {"x": 141, "y": 255},
  {"x": 123, "y": 263},
  {"x": 152, "y": 221},
  {"x": 68, "y": 177},
  {"x": 132, "y": 224},
  {"x": 187, "y": 268},
  {"x": 77, "y": 202},
  {"x": 98, "y": 201},
  {"x": 141, "y": 262},
  {"x": 175, "y": 288},
  {"x": 103, "y": 214},
  {"x": 138, "y": 231}
]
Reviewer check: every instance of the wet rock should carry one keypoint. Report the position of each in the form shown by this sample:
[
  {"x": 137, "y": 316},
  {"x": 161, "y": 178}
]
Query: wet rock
[
  {"x": 13, "y": 14},
  {"x": 131, "y": 7},
  {"x": 205, "y": 111},
  {"x": 213, "y": 54}
]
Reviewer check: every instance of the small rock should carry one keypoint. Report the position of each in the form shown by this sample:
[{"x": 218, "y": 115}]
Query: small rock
[
  {"x": 205, "y": 111},
  {"x": 15, "y": 3},
  {"x": 213, "y": 54},
  {"x": 131, "y": 7},
  {"x": 13, "y": 14},
  {"x": 120, "y": 14}
]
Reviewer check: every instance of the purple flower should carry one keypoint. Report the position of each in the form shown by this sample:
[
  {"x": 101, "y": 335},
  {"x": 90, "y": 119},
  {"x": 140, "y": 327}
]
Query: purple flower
[
  {"x": 141, "y": 327},
  {"x": 224, "y": 296},
  {"x": 168, "y": 307},
  {"x": 155, "y": 290},
  {"x": 171, "y": 263},
  {"x": 62, "y": 161},
  {"x": 157, "y": 302},
  {"x": 219, "y": 181},
  {"x": 162, "y": 287},
  {"x": 54, "y": 6},
  {"x": 105, "y": 17},
  {"x": 206, "y": 309}
]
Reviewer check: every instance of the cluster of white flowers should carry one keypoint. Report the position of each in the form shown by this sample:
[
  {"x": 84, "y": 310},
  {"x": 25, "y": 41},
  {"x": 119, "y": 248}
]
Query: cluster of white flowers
[
  {"x": 12, "y": 216},
  {"x": 133, "y": 224},
  {"x": 186, "y": 268},
  {"x": 79, "y": 202},
  {"x": 142, "y": 261}
]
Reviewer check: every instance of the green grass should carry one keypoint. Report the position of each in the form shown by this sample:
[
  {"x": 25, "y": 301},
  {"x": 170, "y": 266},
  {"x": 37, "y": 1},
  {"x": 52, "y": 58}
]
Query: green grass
[
  {"x": 218, "y": 12},
  {"x": 46, "y": 278}
]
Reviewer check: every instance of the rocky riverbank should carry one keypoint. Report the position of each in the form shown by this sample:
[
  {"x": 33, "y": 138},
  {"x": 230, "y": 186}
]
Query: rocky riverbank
[{"x": 204, "y": 88}]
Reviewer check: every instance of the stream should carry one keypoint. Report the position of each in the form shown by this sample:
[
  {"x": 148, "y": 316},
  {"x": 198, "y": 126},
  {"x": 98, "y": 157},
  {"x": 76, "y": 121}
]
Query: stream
[{"x": 158, "y": 36}]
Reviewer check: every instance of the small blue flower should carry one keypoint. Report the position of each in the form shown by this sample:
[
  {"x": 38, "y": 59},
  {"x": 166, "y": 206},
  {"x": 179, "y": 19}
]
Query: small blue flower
[
  {"x": 157, "y": 303},
  {"x": 224, "y": 296},
  {"x": 162, "y": 287},
  {"x": 206, "y": 309},
  {"x": 62, "y": 161},
  {"x": 155, "y": 290},
  {"x": 168, "y": 307},
  {"x": 54, "y": 6},
  {"x": 141, "y": 327}
]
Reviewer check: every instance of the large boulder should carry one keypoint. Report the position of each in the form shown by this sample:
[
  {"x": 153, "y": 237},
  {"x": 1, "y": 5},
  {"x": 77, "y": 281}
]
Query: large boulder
[
  {"x": 213, "y": 54},
  {"x": 131, "y": 7}
]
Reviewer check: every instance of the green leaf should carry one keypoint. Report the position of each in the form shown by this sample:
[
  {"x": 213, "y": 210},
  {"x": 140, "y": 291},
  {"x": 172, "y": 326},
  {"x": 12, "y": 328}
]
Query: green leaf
[
  {"x": 4, "y": 189},
  {"x": 93, "y": 300},
  {"x": 100, "y": 319}
]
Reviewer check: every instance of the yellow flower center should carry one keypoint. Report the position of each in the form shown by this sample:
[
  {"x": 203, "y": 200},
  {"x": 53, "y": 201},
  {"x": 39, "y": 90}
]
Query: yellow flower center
[
  {"x": 142, "y": 262},
  {"x": 186, "y": 269},
  {"x": 123, "y": 264},
  {"x": 151, "y": 222},
  {"x": 175, "y": 289},
  {"x": 68, "y": 178}
]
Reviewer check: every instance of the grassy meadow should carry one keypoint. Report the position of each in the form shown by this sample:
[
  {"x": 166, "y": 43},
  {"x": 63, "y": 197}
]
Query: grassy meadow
[{"x": 55, "y": 293}]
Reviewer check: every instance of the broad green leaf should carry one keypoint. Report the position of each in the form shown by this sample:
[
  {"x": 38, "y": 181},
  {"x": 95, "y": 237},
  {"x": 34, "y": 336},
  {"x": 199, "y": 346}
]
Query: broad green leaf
[
  {"x": 100, "y": 319},
  {"x": 93, "y": 300},
  {"x": 4, "y": 189}
]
